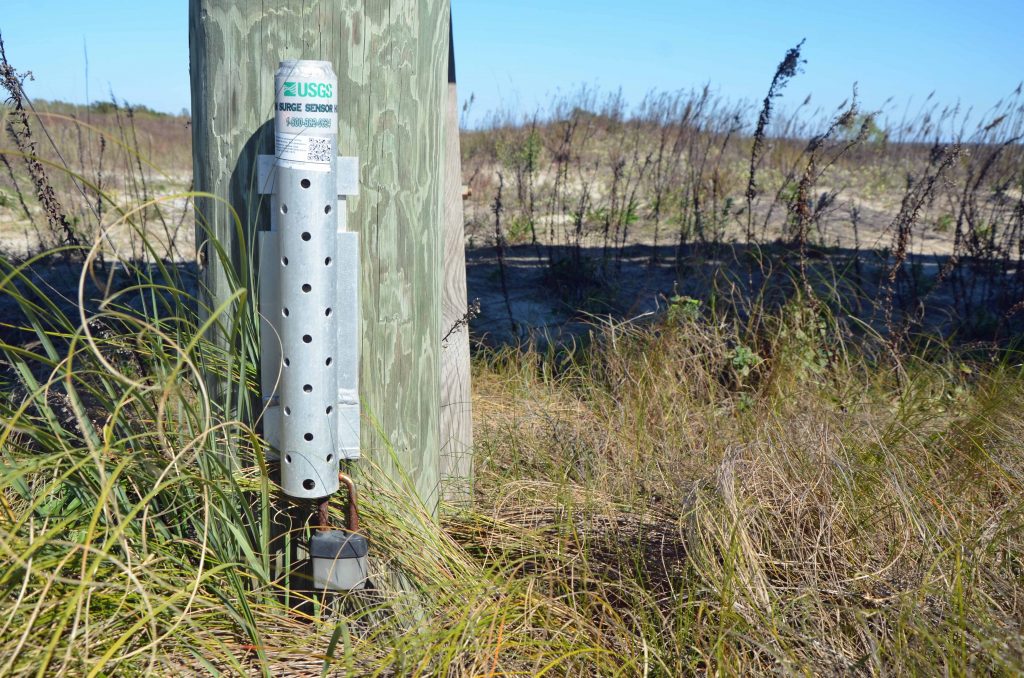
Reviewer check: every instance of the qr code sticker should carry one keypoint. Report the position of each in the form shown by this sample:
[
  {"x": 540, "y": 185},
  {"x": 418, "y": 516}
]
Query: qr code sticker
[{"x": 319, "y": 150}]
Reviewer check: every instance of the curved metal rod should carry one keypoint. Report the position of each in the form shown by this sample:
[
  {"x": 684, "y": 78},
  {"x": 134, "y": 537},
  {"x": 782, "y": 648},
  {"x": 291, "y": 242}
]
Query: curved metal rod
[{"x": 353, "y": 507}]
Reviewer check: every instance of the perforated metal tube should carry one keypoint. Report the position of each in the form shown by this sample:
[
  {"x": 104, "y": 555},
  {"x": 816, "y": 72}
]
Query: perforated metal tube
[
  {"x": 304, "y": 205},
  {"x": 309, "y": 287}
]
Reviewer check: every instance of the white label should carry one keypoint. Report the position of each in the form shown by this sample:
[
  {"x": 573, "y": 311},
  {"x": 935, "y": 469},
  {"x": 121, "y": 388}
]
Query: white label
[
  {"x": 306, "y": 122},
  {"x": 312, "y": 150}
]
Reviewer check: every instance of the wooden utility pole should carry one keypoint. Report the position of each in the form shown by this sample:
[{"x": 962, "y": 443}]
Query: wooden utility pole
[
  {"x": 390, "y": 57},
  {"x": 456, "y": 396}
]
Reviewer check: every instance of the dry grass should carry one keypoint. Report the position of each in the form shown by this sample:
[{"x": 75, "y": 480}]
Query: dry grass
[{"x": 864, "y": 517}]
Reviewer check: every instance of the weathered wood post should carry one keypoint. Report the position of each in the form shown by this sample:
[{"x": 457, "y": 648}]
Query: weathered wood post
[
  {"x": 456, "y": 396},
  {"x": 390, "y": 57}
]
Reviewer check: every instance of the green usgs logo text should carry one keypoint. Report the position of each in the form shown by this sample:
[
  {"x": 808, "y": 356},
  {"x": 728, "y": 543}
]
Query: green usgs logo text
[{"x": 319, "y": 90}]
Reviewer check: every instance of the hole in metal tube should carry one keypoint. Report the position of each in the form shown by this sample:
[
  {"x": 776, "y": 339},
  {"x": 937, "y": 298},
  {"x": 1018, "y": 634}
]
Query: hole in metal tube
[
  {"x": 306, "y": 236},
  {"x": 287, "y": 411},
  {"x": 330, "y": 458},
  {"x": 306, "y": 339},
  {"x": 284, "y": 312},
  {"x": 304, "y": 183},
  {"x": 308, "y": 483},
  {"x": 327, "y": 261},
  {"x": 287, "y": 362},
  {"x": 327, "y": 209},
  {"x": 329, "y": 361},
  {"x": 308, "y": 437},
  {"x": 284, "y": 261},
  {"x": 284, "y": 208},
  {"x": 327, "y": 313},
  {"x": 288, "y": 458},
  {"x": 329, "y": 409},
  {"x": 307, "y": 288},
  {"x": 308, "y": 388}
]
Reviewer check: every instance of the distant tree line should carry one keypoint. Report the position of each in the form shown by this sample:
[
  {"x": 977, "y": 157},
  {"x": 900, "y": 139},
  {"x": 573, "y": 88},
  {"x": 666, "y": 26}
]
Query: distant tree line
[{"x": 102, "y": 108}]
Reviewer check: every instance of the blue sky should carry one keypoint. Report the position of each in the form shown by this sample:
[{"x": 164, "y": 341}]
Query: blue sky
[{"x": 516, "y": 54}]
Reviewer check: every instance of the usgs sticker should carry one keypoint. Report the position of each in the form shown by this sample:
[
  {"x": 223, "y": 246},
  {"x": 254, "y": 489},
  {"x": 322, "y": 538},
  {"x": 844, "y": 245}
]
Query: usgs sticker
[{"x": 306, "y": 119}]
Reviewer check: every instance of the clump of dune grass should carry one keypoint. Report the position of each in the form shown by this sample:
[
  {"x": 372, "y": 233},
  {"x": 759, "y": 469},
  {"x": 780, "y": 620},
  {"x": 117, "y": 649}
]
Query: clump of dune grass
[{"x": 138, "y": 519}]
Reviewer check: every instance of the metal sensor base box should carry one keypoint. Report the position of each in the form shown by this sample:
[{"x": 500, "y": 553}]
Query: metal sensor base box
[{"x": 340, "y": 560}]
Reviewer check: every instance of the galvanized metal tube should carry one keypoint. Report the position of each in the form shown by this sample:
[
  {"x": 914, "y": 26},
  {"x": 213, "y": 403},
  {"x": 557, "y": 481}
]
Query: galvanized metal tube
[{"x": 304, "y": 204}]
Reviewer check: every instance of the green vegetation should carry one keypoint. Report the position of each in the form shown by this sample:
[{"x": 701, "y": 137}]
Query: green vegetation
[
  {"x": 102, "y": 108},
  {"x": 663, "y": 501},
  {"x": 754, "y": 481}
]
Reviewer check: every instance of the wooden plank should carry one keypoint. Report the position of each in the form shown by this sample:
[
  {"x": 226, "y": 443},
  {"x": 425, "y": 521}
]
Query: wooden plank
[
  {"x": 390, "y": 58},
  {"x": 456, "y": 394}
]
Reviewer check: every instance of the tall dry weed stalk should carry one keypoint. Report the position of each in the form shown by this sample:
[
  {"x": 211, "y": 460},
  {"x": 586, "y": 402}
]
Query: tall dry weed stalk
[
  {"x": 786, "y": 69},
  {"x": 499, "y": 248},
  {"x": 19, "y": 130}
]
